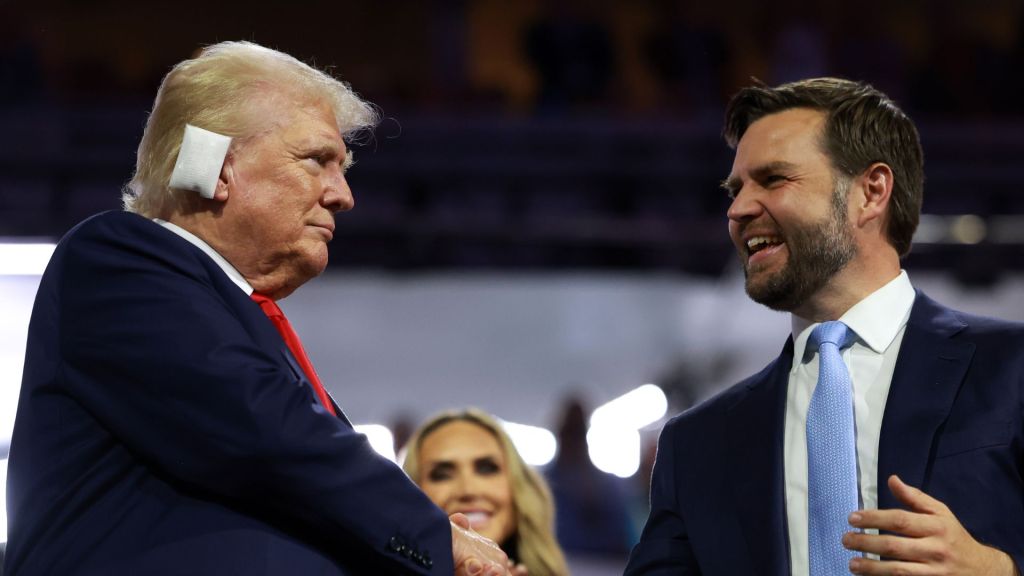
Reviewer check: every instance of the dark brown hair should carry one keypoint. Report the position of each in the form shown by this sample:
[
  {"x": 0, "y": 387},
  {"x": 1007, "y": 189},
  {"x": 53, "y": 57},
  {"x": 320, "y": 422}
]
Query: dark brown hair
[{"x": 862, "y": 126}]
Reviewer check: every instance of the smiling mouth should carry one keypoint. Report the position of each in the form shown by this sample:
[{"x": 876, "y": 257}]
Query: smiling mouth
[
  {"x": 757, "y": 244},
  {"x": 478, "y": 518}
]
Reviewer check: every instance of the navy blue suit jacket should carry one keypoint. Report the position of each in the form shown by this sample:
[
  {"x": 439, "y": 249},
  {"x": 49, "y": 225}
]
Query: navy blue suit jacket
[
  {"x": 953, "y": 426},
  {"x": 164, "y": 428}
]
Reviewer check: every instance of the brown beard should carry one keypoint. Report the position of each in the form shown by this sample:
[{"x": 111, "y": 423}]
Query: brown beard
[{"x": 816, "y": 253}]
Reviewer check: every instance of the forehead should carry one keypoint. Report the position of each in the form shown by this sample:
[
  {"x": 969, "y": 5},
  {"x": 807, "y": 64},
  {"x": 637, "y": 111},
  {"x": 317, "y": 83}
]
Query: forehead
[
  {"x": 298, "y": 125},
  {"x": 315, "y": 123},
  {"x": 459, "y": 440},
  {"x": 792, "y": 136}
]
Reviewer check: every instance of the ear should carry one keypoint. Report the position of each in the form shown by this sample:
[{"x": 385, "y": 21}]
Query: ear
[
  {"x": 873, "y": 201},
  {"x": 226, "y": 180}
]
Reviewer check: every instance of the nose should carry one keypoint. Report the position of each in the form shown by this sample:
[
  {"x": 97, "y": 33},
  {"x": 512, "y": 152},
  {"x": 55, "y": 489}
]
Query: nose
[
  {"x": 337, "y": 195},
  {"x": 466, "y": 487},
  {"x": 745, "y": 206}
]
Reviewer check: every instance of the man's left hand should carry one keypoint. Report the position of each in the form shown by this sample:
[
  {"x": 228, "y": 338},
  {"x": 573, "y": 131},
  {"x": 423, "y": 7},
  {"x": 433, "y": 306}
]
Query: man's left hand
[{"x": 925, "y": 539}]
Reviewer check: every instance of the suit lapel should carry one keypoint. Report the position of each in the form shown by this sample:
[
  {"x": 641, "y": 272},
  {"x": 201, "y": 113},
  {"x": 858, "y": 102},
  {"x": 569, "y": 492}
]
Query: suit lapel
[
  {"x": 337, "y": 410},
  {"x": 754, "y": 426},
  {"x": 300, "y": 375},
  {"x": 928, "y": 375},
  {"x": 264, "y": 333}
]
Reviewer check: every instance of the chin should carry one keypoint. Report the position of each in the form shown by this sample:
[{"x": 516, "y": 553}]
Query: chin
[
  {"x": 499, "y": 535},
  {"x": 314, "y": 262},
  {"x": 774, "y": 291}
]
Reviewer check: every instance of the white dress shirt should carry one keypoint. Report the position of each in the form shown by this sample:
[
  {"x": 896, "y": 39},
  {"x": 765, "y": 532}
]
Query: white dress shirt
[
  {"x": 198, "y": 242},
  {"x": 879, "y": 322}
]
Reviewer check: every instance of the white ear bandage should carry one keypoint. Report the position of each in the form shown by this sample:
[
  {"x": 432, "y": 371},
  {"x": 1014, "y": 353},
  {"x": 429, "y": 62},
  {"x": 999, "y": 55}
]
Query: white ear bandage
[{"x": 199, "y": 161}]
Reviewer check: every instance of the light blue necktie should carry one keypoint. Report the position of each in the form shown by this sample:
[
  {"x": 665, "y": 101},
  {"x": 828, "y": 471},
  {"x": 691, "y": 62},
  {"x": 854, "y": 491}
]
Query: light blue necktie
[{"x": 831, "y": 454}]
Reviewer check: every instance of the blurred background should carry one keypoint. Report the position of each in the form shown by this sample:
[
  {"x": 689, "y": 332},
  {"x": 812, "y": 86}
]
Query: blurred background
[{"x": 539, "y": 229}]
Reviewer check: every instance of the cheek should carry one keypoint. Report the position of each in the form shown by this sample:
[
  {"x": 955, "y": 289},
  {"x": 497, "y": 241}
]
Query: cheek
[
  {"x": 500, "y": 492},
  {"x": 437, "y": 493},
  {"x": 292, "y": 195},
  {"x": 508, "y": 511}
]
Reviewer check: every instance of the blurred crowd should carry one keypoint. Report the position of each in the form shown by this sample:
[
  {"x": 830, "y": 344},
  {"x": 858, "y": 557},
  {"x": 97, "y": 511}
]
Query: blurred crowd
[{"x": 644, "y": 58}]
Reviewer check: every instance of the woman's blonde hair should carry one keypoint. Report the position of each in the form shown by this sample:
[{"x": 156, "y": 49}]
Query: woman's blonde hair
[
  {"x": 227, "y": 89},
  {"x": 533, "y": 544}
]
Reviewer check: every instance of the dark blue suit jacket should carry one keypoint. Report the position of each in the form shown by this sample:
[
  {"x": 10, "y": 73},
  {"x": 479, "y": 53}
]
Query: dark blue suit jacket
[
  {"x": 164, "y": 428},
  {"x": 953, "y": 426}
]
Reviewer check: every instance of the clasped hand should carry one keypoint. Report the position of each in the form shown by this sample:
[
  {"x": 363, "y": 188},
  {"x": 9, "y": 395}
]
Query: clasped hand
[
  {"x": 924, "y": 539},
  {"x": 477, "y": 556}
]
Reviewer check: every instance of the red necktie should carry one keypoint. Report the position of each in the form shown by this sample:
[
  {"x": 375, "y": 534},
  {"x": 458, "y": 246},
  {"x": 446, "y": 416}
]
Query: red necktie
[{"x": 284, "y": 328}]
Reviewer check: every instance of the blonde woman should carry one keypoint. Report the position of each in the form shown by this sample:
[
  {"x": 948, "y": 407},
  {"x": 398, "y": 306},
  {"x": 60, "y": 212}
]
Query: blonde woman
[{"x": 465, "y": 462}]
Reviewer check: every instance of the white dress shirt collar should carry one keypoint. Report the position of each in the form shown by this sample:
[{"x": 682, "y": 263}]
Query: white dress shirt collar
[{"x": 876, "y": 319}]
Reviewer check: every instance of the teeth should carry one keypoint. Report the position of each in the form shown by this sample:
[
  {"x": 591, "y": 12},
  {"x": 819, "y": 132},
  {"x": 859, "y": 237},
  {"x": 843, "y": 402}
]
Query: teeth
[
  {"x": 477, "y": 518},
  {"x": 761, "y": 242},
  {"x": 758, "y": 242}
]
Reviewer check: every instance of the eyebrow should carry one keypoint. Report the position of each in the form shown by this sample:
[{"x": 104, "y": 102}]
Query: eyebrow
[
  {"x": 730, "y": 185},
  {"x": 734, "y": 183},
  {"x": 440, "y": 464},
  {"x": 322, "y": 148},
  {"x": 452, "y": 463}
]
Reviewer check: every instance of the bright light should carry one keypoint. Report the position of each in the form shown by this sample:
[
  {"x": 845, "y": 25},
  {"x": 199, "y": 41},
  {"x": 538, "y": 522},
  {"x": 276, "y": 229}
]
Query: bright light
[
  {"x": 536, "y": 445},
  {"x": 613, "y": 439},
  {"x": 3, "y": 501},
  {"x": 10, "y": 385},
  {"x": 16, "y": 296},
  {"x": 380, "y": 439},
  {"x": 24, "y": 259},
  {"x": 634, "y": 409},
  {"x": 614, "y": 449},
  {"x": 968, "y": 229}
]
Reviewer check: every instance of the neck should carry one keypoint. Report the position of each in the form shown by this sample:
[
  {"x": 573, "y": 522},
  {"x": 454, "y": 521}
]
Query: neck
[
  {"x": 273, "y": 279},
  {"x": 855, "y": 282}
]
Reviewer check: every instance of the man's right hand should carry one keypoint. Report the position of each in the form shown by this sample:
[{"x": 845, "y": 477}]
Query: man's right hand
[{"x": 475, "y": 555}]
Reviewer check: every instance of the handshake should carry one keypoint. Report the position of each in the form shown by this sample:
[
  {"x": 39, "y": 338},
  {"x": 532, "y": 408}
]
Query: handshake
[{"x": 478, "y": 556}]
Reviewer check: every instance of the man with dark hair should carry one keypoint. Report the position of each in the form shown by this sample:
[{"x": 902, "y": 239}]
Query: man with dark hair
[
  {"x": 169, "y": 421},
  {"x": 808, "y": 467}
]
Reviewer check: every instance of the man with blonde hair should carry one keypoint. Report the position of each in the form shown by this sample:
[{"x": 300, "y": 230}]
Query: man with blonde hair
[{"x": 169, "y": 420}]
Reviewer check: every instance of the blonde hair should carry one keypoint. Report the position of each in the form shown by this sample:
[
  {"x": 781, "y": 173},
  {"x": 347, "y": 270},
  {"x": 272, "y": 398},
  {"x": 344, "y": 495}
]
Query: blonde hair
[
  {"x": 216, "y": 91},
  {"x": 534, "y": 538}
]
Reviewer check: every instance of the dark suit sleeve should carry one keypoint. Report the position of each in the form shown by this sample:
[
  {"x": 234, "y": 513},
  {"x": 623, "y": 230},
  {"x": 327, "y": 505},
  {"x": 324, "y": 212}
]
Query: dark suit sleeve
[
  {"x": 165, "y": 363},
  {"x": 664, "y": 548}
]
